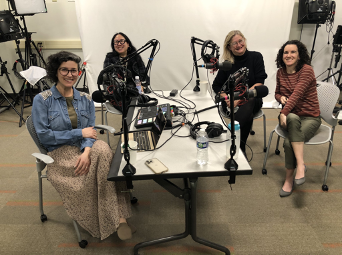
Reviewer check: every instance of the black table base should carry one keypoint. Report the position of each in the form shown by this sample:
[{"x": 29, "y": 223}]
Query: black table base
[{"x": 189, "y": 196}]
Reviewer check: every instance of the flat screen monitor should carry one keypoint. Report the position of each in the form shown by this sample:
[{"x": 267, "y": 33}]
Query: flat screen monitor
[{"x": 28, "y": 7}]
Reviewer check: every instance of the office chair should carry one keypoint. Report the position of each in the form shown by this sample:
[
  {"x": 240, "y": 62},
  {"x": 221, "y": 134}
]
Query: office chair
[
  {"x": 328, "y": 95},
  {"x": 109, "y": 109},
  {"x": 258, "y": 115},
  {"x": 42, "y": 159}
]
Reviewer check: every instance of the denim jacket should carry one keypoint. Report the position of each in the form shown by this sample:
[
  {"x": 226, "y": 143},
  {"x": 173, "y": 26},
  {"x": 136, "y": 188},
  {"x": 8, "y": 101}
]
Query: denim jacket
[{"x": 52, "y": 123}]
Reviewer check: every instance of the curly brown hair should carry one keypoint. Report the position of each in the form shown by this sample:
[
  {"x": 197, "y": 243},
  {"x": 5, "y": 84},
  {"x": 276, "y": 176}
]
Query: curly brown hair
[
  {"x": 54, "y": 62},
  {"x": 302, "y": 51}
]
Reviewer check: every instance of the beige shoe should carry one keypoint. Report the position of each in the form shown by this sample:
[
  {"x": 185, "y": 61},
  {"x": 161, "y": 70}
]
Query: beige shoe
[
  {"x": 124, "y": 231},
  {"x": 133, "y": 229}
]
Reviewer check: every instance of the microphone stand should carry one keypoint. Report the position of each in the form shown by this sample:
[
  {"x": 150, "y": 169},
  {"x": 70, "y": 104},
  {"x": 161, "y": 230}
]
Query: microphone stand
[
  {"x": 231, "y": 164},
  {"x": 214, "y": 48},
  {"x": 233, "y": 80},
  {"x": 129, "y": 170},
  {"x": 148, "y": 45}
]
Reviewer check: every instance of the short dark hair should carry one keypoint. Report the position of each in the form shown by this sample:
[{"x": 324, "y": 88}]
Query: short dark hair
[
  {"x": 302, "y": 51},
  {"x": 131, "y": 48},
  {"x": 54, "y": 62}
]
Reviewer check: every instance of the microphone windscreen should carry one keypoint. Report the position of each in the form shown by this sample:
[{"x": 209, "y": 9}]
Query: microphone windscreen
[
  {"x": 226, "y": 66},
  {"x": 261, "y": 91},
  {"x": 98, "y": 97}
]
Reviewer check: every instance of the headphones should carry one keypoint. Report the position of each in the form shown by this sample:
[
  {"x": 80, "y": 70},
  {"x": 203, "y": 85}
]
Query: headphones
[
  {"x": 213, "y": 129},
  {"x": 144, "y": 101},
  {"x": 206, "y": 57}
]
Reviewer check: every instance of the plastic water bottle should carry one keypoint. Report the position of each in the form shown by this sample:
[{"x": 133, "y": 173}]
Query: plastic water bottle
[
  {"x": 202, "y": 144},
  {"x": 237, "y": 140},
  {"x": 138, "y": 84}
]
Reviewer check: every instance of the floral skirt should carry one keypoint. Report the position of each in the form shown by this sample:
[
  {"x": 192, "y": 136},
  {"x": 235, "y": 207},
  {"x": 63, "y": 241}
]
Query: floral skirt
[{"x": 95, "y": 203}]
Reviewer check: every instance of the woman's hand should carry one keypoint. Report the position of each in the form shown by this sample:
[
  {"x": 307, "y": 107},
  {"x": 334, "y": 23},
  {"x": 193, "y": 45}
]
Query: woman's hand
[
  {"x": 89, "y": 132},
  {"x": 236, "y": 102},
  {"x": 222, "y": 94},
  {"x": 283, "y": 100},
  {"x": 83, "y": 162},
  {"x": 282, "y": 119}
]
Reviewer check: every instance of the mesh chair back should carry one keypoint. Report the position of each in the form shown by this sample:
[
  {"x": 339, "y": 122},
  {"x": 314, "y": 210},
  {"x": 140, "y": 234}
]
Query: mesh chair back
[
  {"x": 32, "y": 131},
  {"x": 328, "y": 95}
]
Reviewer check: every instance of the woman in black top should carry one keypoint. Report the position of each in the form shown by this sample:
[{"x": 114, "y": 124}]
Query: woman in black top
[
  {"x": 122, "y": 47},
  {"x": 235, "y": 51}
]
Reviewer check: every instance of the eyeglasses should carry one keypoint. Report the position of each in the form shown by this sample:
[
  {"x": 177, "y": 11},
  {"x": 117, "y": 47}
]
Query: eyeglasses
[
  {"x": 241, "y": 41},
  {"x": 65, "y": 71},
  {"x": 122, "y": 41}
]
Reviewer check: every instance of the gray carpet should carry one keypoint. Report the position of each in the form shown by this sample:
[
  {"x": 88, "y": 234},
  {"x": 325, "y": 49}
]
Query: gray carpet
[{"x": 250, "y": 218}]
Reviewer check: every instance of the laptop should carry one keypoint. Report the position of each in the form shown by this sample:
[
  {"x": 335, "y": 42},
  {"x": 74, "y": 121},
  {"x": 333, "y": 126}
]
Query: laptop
[{"x": 148, "y": 139}]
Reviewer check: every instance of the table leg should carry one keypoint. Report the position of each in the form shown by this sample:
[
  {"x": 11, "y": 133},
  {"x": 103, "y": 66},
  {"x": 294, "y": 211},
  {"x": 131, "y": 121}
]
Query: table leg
[
  {"x": 189, "y": 196},
  {"x": 193, "y": 188}
]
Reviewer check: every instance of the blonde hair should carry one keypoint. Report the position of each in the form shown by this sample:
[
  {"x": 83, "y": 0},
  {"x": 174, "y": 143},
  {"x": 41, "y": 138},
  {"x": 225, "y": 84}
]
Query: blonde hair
[{"x": 227, "y": 53}]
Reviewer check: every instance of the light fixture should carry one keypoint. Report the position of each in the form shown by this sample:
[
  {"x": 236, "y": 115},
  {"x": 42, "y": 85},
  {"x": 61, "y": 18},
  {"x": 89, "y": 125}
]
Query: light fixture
[{"x": 28, "y": 7}]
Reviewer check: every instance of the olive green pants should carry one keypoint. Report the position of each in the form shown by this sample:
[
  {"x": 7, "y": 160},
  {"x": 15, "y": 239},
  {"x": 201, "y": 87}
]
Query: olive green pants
[{"x": 300, "y": 129}]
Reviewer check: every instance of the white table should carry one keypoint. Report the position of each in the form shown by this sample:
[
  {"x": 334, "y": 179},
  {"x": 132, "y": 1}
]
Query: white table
[{"x": 179, "y": 155}]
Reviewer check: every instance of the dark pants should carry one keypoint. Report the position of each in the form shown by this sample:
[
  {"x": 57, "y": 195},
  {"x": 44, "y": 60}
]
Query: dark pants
[
  {"x": 245, "y": 116},
  {"x": 300, "y": 129}
]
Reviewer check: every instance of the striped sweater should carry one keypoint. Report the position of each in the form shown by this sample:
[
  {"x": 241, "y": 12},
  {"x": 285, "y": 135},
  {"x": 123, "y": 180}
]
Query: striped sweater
[{"x": 300, "y": 89}]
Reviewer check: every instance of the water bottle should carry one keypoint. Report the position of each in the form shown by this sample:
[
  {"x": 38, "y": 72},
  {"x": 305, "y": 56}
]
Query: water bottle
[
  {"x": 237, "y": 140},
  {"x": 138, "y": 84},
  {"x": 202, "y": 144}
]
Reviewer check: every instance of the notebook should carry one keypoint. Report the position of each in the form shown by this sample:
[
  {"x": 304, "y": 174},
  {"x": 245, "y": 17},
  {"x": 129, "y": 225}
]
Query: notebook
[{"x": 148, "y": 139}]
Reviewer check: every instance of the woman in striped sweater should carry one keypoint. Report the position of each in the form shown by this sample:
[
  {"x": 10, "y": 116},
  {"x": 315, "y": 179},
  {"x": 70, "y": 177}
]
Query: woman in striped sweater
[{"x": 296, "y": 91}]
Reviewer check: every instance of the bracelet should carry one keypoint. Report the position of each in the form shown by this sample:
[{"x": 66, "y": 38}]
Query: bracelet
[{"x": 226, "y": 98}]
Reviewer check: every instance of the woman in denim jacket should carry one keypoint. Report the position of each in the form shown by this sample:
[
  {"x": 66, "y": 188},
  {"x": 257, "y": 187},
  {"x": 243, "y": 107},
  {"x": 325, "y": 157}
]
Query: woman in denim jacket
[{"x": 64, "y": 120}]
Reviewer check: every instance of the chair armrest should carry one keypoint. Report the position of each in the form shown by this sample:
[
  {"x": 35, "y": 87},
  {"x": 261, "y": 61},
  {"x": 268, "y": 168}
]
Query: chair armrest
[
  {"x": 45, "y": 158},
  {"x": 105, "y": 127}
]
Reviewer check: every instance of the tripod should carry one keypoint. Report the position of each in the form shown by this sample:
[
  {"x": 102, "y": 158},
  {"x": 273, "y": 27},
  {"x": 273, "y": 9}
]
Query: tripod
[
  {"x": 337, "y": 48},
  {"x": 83, "y": 71},
  {"x": 29, "y": 60},
  {"x": 5, "y": 94}
]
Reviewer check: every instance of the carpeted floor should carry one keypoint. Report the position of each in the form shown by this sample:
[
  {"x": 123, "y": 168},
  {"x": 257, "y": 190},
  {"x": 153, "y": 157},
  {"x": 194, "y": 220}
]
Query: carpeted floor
[{"x": 249, "y": 219}]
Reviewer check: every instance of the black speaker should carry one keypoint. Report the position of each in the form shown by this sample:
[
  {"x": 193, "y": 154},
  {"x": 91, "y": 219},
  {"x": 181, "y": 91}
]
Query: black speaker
[
  {"x": 9, "y": 27},
  {"x": 338, "y": 35},
  {"x": 8, "y": 24},
  {"x": 313, "y": 11}
]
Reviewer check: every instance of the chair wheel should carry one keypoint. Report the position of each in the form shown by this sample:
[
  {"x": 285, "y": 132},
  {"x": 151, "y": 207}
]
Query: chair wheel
[
  {"x": 252, "y": 132},
  {"x": 83, "y": 244},
  {"x": 326, "y": 163},
  {"x": 101, "y": 131},
  {"x": 325, "y": 187},
  {"x": 264, "y": 171},
  {"x": 43, "y": 217},
  {"x": 134, "y": 200},
  {"x": 277, "y": 152}
]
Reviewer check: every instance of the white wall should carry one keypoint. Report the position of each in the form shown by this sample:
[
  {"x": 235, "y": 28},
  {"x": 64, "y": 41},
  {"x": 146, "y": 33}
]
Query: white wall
[
  {"x": 60, "y": 23},
  {"x": 265, "y": 23}
]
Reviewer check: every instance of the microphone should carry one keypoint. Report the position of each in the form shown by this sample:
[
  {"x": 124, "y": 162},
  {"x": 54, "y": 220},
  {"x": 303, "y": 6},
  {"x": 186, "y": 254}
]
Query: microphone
[
  {"x": 98, "y": 97},
  {"x": 224, "y": 66},
  {"x": 258, "y": 92}
]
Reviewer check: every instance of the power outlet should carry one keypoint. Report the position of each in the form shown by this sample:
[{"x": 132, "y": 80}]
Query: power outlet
[{"x": 40, "y": 44}]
